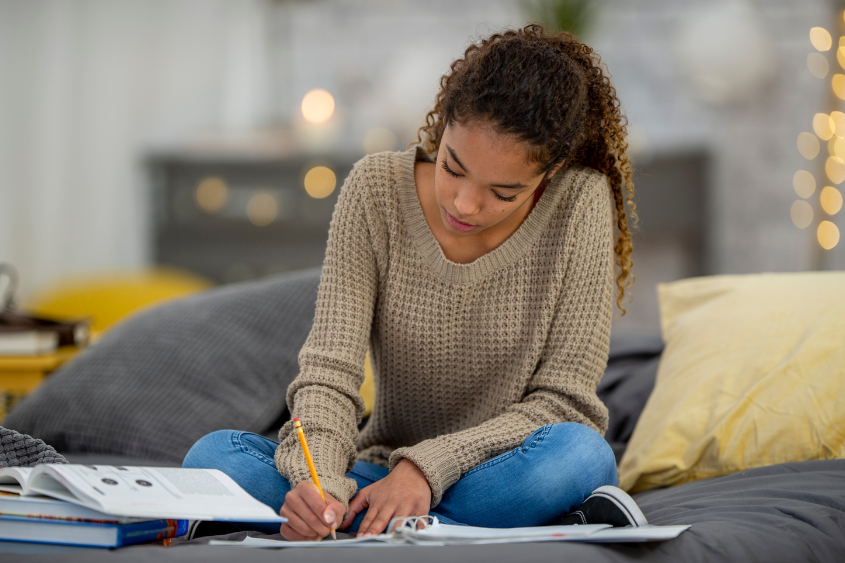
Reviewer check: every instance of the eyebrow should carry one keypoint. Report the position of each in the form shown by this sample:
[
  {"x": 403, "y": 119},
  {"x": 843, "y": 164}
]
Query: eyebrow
[{"x": 517, "y": 186}]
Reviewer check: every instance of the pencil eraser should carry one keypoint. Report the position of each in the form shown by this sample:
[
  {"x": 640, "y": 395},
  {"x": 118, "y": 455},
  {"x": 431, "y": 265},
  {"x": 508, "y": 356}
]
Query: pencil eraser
[{"x": 296, "y": 419}]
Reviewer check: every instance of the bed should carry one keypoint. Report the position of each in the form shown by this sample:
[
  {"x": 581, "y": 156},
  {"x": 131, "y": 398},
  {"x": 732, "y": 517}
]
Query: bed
[{"x": 203, "y": 349}]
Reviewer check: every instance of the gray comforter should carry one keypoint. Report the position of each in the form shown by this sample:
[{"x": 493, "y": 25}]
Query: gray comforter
[{"x": 784, "y": 513}]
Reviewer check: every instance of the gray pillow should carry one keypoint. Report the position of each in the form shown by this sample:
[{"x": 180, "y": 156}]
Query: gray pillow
[{"x": 166, "y": 377}]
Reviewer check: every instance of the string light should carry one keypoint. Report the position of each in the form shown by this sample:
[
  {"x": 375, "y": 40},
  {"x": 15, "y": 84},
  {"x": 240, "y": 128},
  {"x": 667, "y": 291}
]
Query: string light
[
  {"x": 823, "y": 126},
  {"x": 320, "y": 182},
  {"x": 317, "y": 106},
  {"x": 801, "y": 214},
  {"x": 831, "y": 200},
  {"x": 820, "y": 38},
  {"x": 827, "y": 235},
  {"x": 835, "y": 169},
  {"x": 804, "y": 183},
  {"x": 262, "y": 209},
  {"x": 818, "y": 65},
  {"x": 808, "y": 145},
  {"x": 211, "y": 194}
]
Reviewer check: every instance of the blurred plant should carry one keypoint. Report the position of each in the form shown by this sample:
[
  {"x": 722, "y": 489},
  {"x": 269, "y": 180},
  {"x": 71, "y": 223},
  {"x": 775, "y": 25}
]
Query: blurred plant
[{"x": 574, "y": 16}]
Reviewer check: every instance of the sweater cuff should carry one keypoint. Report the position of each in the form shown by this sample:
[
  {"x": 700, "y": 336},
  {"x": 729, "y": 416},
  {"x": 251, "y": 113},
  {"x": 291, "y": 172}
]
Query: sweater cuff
[
  {"x": 437, "y": 463},
  {"x": 341, "y": 488}
]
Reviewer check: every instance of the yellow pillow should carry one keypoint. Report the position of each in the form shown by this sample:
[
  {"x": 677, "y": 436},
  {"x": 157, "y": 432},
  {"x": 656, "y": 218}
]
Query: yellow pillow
[{"x": 753, "y": 374}]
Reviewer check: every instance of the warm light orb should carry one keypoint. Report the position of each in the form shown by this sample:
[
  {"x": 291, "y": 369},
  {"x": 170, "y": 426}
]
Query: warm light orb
[
  {"x": 828, "y": 235},
  {"x": 320, "y": 182},
  {"x": 212, "y": 194},
  {"x": 823, "y": 126},
  {"x": 835, "y": 169},
  {"x": 317, "y": 106},
  {"x": 820, "y": 38},
  {"x": 261, "y": 209},
  {"x": 831, "y": 200},
  {"x": 818, "y": 65},
  {"x": 804, "y": 183},
  {"x": 379, "y": 140},
  {"x": 801, "y": 214},
  {"x": 838, "y": 123},
  {"x": 808, "y": 145},
  {"x": 836, "y": 147},
  {"x": 840, "y": 55},
  {"x": 838, "y": 84}
]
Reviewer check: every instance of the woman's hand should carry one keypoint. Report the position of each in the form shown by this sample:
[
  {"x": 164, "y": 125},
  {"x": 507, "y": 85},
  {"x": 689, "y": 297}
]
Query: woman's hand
[
  {"x": 404, "y": 492},
  {"x": 309, "y": 518}
]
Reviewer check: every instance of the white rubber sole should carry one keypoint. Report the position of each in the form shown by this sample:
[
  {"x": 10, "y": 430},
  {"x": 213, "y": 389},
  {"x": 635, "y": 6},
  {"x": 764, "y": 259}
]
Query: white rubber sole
[{"x": 625, "y": 503}]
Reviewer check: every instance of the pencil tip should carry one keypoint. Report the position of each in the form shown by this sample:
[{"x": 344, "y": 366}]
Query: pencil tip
[{"x": 334, "y": 535}]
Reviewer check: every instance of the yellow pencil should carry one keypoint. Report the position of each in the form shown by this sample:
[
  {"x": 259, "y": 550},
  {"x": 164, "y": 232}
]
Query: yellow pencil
[{"x": 298, "y": 425}]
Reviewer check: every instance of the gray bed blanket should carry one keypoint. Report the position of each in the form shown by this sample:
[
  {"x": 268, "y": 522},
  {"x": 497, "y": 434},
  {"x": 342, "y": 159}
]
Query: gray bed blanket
[{"x": 784, "y": 513}]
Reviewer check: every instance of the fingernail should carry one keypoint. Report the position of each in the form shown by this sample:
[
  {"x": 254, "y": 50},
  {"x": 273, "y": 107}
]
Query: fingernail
[{"x": 330, "y": 516}]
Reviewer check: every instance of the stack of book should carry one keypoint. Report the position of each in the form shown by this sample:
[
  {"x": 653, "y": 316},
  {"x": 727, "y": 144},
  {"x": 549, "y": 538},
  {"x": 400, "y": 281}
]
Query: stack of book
[{"x": 114, "y": 506}]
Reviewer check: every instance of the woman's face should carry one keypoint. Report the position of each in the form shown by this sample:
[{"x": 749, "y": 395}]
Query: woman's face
[{"x": 482, "y": 179}]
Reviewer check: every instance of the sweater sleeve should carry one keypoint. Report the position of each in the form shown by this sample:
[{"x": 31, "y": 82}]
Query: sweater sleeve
[
  {"x": 325, "y": 395},
  {"x": 563, "y": 387}
]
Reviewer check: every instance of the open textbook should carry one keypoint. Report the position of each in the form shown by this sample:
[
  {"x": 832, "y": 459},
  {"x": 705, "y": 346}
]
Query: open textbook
[
  {"x": 140, "y": 492},
  {"x": 427, "y": 530}
]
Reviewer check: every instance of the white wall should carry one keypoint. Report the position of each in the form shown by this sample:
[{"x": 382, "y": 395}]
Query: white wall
[{"x": 84, "y": 85}]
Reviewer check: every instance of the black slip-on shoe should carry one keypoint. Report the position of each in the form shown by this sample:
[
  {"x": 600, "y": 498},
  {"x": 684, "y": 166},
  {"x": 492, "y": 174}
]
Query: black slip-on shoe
[{"x": 607, "y": 505}]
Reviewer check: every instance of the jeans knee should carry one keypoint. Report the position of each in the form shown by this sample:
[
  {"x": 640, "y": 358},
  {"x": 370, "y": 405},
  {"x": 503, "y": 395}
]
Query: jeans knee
[
  {"x": 578, "y": 445},
  {"x": 209, "y": 450}
]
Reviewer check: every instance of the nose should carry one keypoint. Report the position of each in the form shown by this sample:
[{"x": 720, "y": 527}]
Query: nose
[{"x": 468, "y": 201}]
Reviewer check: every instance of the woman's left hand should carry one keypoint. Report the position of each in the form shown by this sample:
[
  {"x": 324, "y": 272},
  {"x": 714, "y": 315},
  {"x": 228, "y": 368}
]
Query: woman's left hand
[{"x": 404, "y": 492}]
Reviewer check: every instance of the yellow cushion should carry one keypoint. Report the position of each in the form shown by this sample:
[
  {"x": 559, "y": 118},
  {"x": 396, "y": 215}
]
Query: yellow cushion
[
  {"x": 106, "y": 298},
  {"x": 753, "y": 374}
]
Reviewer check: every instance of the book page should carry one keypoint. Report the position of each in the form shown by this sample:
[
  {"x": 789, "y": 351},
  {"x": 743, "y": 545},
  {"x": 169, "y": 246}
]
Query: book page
[
  {"x": 154, "y": 492},
  {"x": 14, "y": 479}
]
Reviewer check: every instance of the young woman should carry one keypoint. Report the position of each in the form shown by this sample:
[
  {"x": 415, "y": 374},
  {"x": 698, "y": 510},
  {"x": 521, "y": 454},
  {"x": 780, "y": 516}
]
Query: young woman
[{"x": 478, "y": 267}]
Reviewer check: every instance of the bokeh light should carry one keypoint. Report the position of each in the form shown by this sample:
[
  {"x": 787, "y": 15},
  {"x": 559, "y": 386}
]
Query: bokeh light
[
  {"x": 823, "y": 126},
  {"x": 801, "y": 213},
  {"x": 379, "y": 140},
  {"x": 838, "y": 123},
  {"x": 820, "y": 38},
  {"x": 212, "y": 194},
  {"x": 317, "y": 106},
  {"x": 262, "y": 209},
  {"x": 828, "y": 235},
  {"x": 836, "y": 147},
  {"x": 804, "y": 183},
  {"x": 808, "y": 145},
  {"x": 320, "y": 182},
  {"x": 835, "y": 169},
  {"x": 838, "y": 84},
  {"x": 818, "y": 65},
  {"x": 831, "y": 200}
]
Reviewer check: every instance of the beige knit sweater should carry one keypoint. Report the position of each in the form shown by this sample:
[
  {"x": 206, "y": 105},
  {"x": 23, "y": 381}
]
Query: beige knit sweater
[{"x": 468, "y": 359}]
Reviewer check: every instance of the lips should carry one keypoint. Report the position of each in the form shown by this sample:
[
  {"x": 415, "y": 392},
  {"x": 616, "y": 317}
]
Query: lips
[{"x": 457, "y": 224}]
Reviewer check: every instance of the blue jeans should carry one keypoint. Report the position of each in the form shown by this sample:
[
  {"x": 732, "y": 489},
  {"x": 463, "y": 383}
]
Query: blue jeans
[{"x": 553, "y": 471}]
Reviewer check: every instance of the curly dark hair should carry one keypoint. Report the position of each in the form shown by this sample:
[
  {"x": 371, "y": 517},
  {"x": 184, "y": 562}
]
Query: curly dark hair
[{"x": 553, "y": 93}]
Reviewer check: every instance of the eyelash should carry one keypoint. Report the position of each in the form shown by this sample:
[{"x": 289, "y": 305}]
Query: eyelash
[{"x": 456, "y": 175}]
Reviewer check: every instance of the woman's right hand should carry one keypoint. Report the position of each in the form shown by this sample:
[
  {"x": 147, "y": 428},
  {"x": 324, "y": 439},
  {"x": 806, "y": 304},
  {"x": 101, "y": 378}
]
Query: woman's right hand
[{"x": 309, "y": 518}]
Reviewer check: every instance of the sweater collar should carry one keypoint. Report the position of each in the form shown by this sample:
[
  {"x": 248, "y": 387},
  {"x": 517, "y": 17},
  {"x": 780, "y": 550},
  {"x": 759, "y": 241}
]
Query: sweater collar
[{"x": 515, "y": 247}]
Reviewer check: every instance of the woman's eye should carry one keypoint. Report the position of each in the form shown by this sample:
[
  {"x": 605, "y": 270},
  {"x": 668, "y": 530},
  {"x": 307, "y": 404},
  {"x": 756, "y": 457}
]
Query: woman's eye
[
  {"x": 449, "y": 170},
  {"x": 503, "y": 198}
]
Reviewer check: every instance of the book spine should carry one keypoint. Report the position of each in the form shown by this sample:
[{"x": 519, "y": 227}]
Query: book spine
[{"x": 144, "y": 532}]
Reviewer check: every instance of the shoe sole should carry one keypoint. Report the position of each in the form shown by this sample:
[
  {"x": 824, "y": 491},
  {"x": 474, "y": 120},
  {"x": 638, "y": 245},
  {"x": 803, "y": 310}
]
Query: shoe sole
[{"x": 624, "y": 502}]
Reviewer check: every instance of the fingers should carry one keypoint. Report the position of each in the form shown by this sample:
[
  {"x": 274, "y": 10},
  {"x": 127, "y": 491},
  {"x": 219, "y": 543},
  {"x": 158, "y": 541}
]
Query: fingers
[
  {"x": 360, "y": 502},
  {"x": 305, "y": 514},
  {"x": 295, "y": 529},
  {"x": 366, "y": 528}
]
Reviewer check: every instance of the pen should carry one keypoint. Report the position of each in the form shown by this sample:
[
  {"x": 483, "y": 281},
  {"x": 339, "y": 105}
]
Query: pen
[{"x": 298, "y": 425}]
